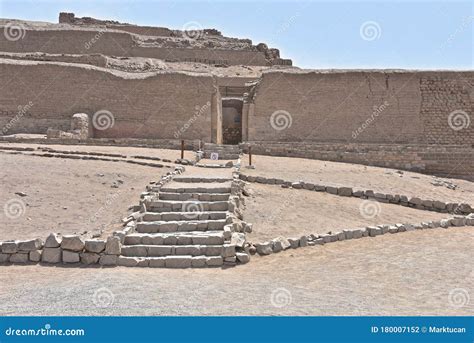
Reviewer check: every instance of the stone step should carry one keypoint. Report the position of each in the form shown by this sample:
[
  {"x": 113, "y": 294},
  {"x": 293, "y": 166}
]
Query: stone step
[
  {"x": 201, "y": 179},
  {"x": 174, "y": 189},
  {"x": 180, "y": 226},
  {"x": 176, "y": 261},
  {"x": 186, "y": 206},
  {"x": 143, "y": 250},
  {"x": 179, "y": 216},
  {"x": 223, "y": 156},
  {"x": 194, "y": 196},
  {"x": 176, "y": 238}
]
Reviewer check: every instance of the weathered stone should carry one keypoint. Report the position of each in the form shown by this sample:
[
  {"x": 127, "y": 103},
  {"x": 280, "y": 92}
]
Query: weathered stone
[
  {"x": 392, "y": 229},
  {"x": 303, "y": 241},
  {"x": 331, "y": 190},
  {"x": 9, "y": 247},
  {"x": 374, "y": 231},
  {"x": 319, "y": 188},
  {"x": 128, "y": 261},
  {"x": 238, "y": 239},
  {"x": 344, "y": 191},
  {"x": 70, "y": 257},
  {"x": 228, "y": 250},
  {"x": 19, "y": 257},
  {"x": 358, "y": 193},
  {"x": 318, "y": 241},
  {"x": 35, "y": 256},
  {"x": 51, "y": 255},
  {"x": 308, "y": 186},
  {"x": 296, "y": 185},
  {"x": 341, "y": 236},
  {"x": 4, "y": 258},
  {"x": 214, "y": 261},
  {"x": 108, "y": 260},
  {"x": 156, "y": 262},
  {"x": 198, "y": 261},
  {"x": 53, "y": 241},
  {"x": 265, "y": 248},
  {"x": 415, "y": 201},
  {"x": 457, "y": 221},
  {"x": 357, "y": 233},
  {"x": 283, "y": 242},
  {"x": 112, "y": 246},
  {"x": 89, "y": 258},
  {"x": 242, "y": 257},
  {"x": 349, "y": 234},
  {"x": 95, "y": 246},
  {"x": 294, "y": 242},
  {"x": 178, "y": 261},
  {"x": 34, "y": 244},
  {"x": 72, "y": 243}
]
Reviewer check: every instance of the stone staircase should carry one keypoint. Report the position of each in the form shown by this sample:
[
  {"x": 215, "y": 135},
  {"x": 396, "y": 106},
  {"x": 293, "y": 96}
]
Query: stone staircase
[
  {"x": 226, "y": 152},
  {"x": 183, "y": 225}
]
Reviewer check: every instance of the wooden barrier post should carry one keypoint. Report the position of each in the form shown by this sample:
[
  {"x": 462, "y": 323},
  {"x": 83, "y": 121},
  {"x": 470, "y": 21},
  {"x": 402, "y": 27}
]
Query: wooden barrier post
[
  {"x": 182, "y": 148},
  {"x": 250, "y": 155}
]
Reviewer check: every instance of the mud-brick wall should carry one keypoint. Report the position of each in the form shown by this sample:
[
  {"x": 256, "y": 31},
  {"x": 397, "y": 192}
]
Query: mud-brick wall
[
  {"x": 364, "y": 106},
  {"x": 153, "y": 107},
  {"x": 114, "y": 43}
]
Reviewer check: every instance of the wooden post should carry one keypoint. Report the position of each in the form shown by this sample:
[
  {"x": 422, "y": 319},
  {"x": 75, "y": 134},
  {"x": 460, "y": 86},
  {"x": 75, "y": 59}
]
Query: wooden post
[
  {"x": 182, "y": 148},
  {"x": 250, "y": 155}
]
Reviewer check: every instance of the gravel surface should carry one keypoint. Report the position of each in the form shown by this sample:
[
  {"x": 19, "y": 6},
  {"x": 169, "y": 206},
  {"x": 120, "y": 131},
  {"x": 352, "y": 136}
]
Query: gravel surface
[{"x": 411, "y": 273}]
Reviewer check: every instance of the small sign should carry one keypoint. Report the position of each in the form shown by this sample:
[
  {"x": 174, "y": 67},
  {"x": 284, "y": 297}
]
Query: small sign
[{"x": 214, "y": 156}]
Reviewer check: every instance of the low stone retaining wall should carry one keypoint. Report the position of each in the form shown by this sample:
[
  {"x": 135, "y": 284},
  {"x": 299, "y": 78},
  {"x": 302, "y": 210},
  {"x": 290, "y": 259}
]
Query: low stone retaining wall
[
  {"x": 415, "y": 202},
  {"x": 281, "y": 243}
]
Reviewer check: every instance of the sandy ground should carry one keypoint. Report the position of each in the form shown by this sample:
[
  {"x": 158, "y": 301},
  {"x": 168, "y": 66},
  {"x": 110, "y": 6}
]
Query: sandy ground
[
  {"x": 411, "y": 273},
  {"x": 358, "y": 176},
  {"x": 66, "y": 196},
  {"x": 275, "y": 211}
]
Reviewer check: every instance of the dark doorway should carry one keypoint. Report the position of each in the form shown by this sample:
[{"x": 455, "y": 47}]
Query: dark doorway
[{"x": 232, "y": 120}]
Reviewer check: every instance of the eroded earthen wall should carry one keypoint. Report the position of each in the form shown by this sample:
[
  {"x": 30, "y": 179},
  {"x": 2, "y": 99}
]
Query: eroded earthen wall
[
  {"x": 364, "y": 107},
  {"x": 120, "y": 44},
  {"x": 38, "y": 95}
]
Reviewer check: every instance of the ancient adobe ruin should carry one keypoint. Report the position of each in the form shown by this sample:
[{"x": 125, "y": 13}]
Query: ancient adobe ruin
[{"x": 158, "y": 86}]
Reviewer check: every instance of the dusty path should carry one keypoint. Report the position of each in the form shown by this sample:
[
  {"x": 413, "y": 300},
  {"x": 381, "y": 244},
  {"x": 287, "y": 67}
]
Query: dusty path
[
  {"x": 276, "y": 211},
  {"x": 383, "y": 180},
  {"x": 409, "y": 273}
]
